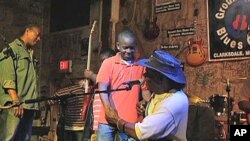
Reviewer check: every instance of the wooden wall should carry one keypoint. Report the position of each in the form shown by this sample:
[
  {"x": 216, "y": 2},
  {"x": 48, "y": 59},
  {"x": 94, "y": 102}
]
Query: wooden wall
[{"x": 205, "y": 79}]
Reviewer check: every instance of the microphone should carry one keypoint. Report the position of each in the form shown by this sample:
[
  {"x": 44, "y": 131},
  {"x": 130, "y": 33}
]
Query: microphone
[{"x": 134, "y": 82}]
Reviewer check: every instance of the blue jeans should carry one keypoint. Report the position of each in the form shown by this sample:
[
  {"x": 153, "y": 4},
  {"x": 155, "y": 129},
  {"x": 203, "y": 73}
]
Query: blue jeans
[
  {"x": 108, "y": 133},
  {"x": 14, "y": 128}
]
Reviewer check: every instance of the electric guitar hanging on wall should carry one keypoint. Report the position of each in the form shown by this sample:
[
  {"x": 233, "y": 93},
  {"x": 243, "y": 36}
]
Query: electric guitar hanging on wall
[
  {"x": 196, "y": 53},
  {"x": 151, "y": 30}
]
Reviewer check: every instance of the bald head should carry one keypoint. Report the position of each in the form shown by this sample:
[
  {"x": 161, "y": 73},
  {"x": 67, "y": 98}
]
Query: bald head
[
  {"x": 127, "y": 42},
  {"x": 127, "y": 36}
]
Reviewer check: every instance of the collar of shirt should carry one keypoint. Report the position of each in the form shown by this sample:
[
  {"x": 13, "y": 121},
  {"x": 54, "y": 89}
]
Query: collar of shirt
[
  {"x": 118, "y": 60},
  {"x": 156, "y": 99},
  {"x": 20, "y": 42}
]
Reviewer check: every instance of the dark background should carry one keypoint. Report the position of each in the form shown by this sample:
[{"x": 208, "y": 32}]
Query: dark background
[{"x": 68, "y": 14}]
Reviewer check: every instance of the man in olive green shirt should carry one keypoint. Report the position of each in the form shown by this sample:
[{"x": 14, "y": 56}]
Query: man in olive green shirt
[{"x": 18, "y": 83}]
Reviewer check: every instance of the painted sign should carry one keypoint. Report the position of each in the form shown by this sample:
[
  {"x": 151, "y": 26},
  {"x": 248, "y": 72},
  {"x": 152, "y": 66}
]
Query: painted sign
[{"x": 229, "y": 29}]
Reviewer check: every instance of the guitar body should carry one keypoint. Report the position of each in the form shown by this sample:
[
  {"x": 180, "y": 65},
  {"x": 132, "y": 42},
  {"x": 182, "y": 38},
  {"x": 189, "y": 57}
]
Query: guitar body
[
  {"x": 151, "y": 30},
  {"x": 196, "y": 54}
]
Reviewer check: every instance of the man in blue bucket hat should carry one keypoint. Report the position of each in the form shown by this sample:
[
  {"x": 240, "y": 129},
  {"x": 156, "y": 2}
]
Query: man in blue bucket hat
[{"x": 167, "y": 111}]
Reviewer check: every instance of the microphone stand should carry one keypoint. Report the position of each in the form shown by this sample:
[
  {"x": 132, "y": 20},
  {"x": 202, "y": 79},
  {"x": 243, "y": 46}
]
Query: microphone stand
[
  {"x": 88, "y": 119},
  {"x": 57, "y": 97},
  {"x": 228, "y": 89},
  {"x": 88, "y": 122},
  {"x": 61, "y": 97}
]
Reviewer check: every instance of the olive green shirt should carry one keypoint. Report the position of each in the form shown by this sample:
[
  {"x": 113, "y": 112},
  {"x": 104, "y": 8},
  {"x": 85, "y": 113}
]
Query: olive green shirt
[{"x": 18, "y": 74}]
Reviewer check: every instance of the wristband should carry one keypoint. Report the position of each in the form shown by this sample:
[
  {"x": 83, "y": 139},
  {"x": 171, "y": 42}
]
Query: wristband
[
  {"x": 123, "y": 126},
  {"x": 117, "y": 124}
]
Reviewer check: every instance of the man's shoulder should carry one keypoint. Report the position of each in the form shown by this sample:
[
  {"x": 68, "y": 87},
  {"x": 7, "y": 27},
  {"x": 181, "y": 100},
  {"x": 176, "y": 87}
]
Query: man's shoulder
[
  {"x": 110, "y": 60},
  {"x": 16, "y": 42},
  {"x": 179, "y": 96},
  {"x": 113, "y": 58},
  {"x": 15, "y": 45}
]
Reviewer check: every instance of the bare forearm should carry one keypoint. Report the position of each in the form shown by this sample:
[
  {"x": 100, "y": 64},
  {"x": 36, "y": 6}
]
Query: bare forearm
[
  {"x": 122, "y": 125},
  {"x": 90, "y": 75},
  {"x": 13, "y": 94},
  {"x": 104, "y": 96},
  {"x": 105, "y": 100},
  {"x": 127, "y": 127}
]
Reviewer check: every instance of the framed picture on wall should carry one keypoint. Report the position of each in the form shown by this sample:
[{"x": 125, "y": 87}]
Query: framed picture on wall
[{"x": 229, "y": 29}]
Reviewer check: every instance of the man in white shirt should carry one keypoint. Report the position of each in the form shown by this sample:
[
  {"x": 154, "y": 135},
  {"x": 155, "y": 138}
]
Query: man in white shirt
[{"x": 167, "y": 111}]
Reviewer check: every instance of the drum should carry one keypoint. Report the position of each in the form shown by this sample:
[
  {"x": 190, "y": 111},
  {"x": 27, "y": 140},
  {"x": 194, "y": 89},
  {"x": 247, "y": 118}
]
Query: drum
[
  {"x": 219, "y": 103},
  {"x": 239, "y": 118}
]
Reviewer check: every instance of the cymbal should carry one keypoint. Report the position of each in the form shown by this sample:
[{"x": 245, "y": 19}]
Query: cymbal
[{"x": 194, "y": 99}]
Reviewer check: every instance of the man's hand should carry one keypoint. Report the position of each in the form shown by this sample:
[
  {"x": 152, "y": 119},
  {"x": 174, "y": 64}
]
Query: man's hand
[
  {"x": 141, "y": 107},
  {"x": 88, "y": 73},
  {"x": 111, "y": 115},
  {"x": 18, "y": 110}
]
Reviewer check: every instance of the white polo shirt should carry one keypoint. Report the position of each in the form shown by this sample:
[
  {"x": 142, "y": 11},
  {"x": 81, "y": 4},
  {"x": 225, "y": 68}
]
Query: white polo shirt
[{"x": 166, "y": 116}]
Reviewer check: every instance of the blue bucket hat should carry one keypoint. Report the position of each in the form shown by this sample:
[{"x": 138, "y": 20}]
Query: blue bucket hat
[{"x": 166, "y": 64}]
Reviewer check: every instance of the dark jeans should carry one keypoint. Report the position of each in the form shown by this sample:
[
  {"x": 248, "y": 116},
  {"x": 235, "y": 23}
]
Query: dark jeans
[
  {"x": 67, "y": 135},
  {"x": 73, "y": 135},
  {"x": 14, "y": 128}
]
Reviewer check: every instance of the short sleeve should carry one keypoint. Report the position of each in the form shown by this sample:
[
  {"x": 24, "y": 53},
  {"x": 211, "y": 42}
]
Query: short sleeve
[
  {"x": 104, "y": 70},
  {"x": 153, "y": 125},
  {"x": 8, "y": 77}
]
